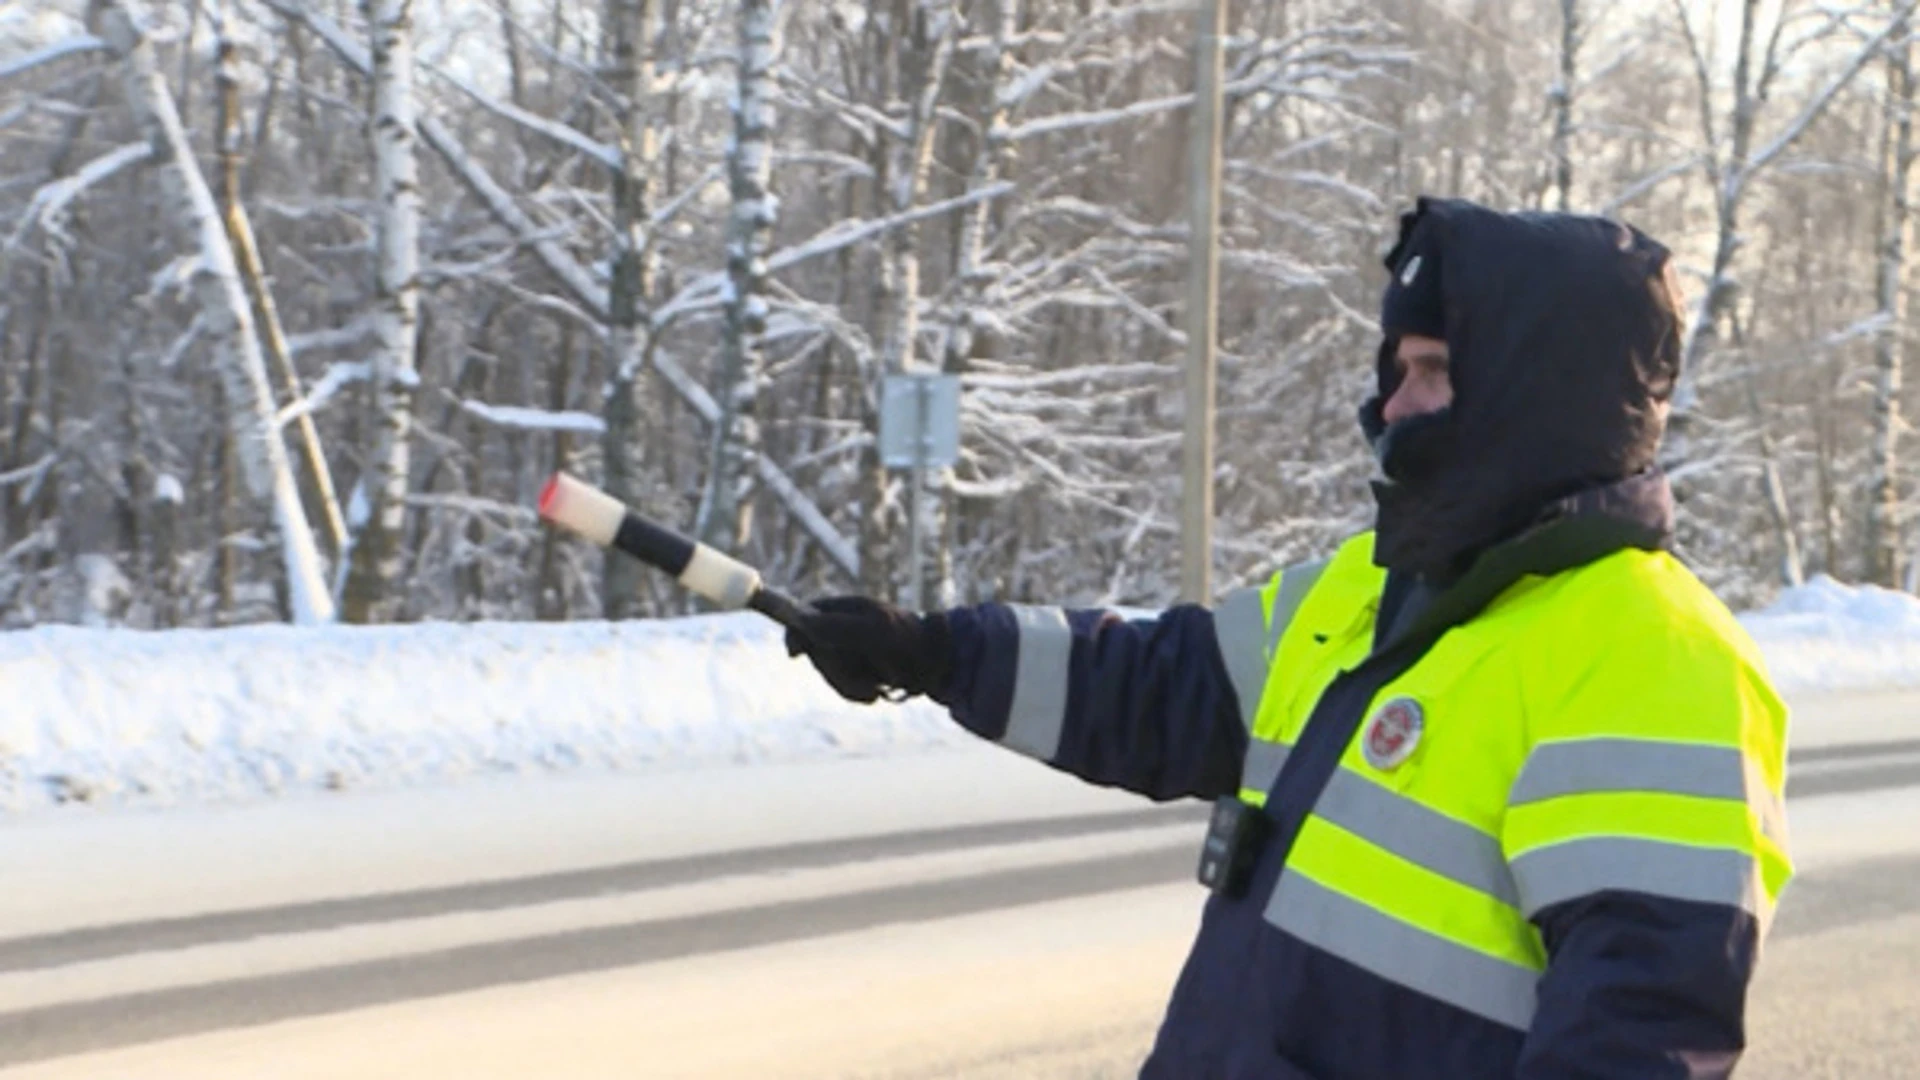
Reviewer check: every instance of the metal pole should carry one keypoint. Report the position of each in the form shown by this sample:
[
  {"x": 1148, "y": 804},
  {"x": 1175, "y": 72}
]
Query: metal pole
[
  {"x": 1203, "y": 276},
  {"x": 915, "y": 571}
]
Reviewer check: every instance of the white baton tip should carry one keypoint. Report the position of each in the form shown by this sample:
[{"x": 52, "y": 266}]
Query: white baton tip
[
  {"x": 721, "y": 579},
  {"x": 579, "y": 506}
]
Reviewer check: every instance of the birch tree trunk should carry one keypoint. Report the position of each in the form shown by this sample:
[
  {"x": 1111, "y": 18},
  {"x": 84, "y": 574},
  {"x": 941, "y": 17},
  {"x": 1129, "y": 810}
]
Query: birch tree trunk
[
  {"x": 994, "y": 160},
  {"x": 253, "y": 272},
  {"x": 923, "y": 75},
  {"x": 380, "y": 503},
  {"x": 878, "y": 65},
  {"x": 19, "y": 516},
  {"x": 631, "y": 337},
  {"x": 1727, "y": 171},
  {"x": 1792, "y": 566},
  {"x": 1890, "y": 292},
  {"x": 726, "y": 511},
  {"x": 924, "y": 33},
  {"x": 550, "y": 587},
  {"x": 227, "y": 320}
]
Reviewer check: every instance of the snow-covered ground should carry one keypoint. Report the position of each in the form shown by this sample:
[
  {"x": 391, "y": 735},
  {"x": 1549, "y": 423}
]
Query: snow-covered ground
[
  {"x": 206, "y": 716},
  {"x": 1826, "y": 636}
]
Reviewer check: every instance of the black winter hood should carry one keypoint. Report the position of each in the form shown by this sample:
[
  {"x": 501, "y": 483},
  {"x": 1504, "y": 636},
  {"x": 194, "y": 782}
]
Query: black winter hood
[{"x": 1564, "y": 338}]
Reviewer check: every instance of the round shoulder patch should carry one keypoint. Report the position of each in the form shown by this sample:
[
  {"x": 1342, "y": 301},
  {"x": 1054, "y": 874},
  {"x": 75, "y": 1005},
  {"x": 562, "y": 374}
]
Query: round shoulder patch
[{"x": 1392, "y": 734}]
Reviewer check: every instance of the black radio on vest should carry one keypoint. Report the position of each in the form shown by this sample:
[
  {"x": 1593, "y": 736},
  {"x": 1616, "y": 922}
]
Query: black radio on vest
[{"x": 1235, "y": 834}]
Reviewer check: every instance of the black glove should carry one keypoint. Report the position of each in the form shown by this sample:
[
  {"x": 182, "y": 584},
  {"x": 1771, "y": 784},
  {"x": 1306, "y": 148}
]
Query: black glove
[{"x": 865, "y": 648}]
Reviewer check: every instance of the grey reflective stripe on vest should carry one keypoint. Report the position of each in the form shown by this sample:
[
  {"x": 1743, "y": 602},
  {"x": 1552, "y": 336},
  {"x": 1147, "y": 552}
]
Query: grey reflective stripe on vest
[
  {"x": 1039, "y": 682},
  {"x": 1262, "y": 768},
  {"x": 1618, "y": 764},
  {"x": 1401, "y": 953},
  {"x": 1585, "y": 766},
  {"x": 1422, "y": 836},
  {"x": 1239, "y": 625},
  {"x": 1295, "y": 583},
  {"x": 1567, "y": 871}
]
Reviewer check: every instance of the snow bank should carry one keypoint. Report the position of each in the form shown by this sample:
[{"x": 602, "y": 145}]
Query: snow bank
[
  {"x": 209, "y": 715},
  {"x": 1825, "y": 636},
  {"x": 199, "y": 715}
]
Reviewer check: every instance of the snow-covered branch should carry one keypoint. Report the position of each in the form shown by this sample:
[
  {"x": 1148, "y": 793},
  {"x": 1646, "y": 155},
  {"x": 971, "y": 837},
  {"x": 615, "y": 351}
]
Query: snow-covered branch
[
  {"x": 74, "y": 46},
  {"x": 338, "y": 337},
  {"x": 707, "y": 291},
  {"x": 28, "y": 474},
  {"x": 50, "y": 203},
  {"x": 1095, "y": 118},
  {"x": 1027, "y": 382},
  {"x": 520, "y": 418},
  {"x": 848, "y": 233},
  {"x": 474, "y": 504},
  {"x": 338, "y": 377},
  {"x": 170, "y": 358},
  {"x": 1817, "y": 105},
  {"x": 607, "y": 156},
  {"x": 1632, "y": 192}
]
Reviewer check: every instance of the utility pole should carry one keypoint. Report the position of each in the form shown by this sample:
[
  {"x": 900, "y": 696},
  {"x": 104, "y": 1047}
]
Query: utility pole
[
  {"x": 916, "y": 497},
  {"x": 1203, "y": 278}
]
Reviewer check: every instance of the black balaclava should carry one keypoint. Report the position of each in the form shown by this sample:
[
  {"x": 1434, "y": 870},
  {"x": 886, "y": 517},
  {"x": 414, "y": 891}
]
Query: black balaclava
[{"x": 1563, "y": 337}]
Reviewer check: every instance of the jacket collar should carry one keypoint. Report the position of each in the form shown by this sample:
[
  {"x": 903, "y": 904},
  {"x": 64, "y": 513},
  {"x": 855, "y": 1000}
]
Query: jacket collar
[{"x": 1634, "y": 513}]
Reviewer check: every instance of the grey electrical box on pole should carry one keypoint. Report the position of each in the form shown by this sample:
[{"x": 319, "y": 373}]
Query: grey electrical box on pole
[
  {"x": 919, "y": 430},
  {"x": 1203, "y": 276}
]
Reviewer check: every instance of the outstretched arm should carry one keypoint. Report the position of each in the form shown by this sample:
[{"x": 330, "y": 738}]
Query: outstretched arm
[{"x": 1147, "y": 705}]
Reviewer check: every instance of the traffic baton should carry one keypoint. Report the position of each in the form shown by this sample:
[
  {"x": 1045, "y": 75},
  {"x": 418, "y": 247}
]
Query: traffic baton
[{"x": 579, "y": 507}]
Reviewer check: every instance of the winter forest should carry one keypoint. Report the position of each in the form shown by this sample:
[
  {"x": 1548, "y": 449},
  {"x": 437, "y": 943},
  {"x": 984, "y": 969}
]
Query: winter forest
[{"x": 302, "y": 300}]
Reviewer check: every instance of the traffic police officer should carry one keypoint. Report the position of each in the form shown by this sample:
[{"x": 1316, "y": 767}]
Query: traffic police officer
[{"x": 1499, "y": 785}]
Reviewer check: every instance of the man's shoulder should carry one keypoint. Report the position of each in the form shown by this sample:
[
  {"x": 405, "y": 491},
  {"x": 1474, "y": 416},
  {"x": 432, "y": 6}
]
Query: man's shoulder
[
  {"x": 1635, "y": 646},
  {"x": 1650, "y": 597}
]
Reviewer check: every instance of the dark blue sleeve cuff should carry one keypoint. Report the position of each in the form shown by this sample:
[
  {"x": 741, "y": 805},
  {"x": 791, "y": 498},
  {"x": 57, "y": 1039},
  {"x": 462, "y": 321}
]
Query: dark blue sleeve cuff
[{"x": 1641, "y": 987}]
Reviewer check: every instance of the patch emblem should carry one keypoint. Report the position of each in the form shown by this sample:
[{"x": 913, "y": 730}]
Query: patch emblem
[
  {"x": 1411, "y": 271},
  {"x": 1393, "y": 734}
]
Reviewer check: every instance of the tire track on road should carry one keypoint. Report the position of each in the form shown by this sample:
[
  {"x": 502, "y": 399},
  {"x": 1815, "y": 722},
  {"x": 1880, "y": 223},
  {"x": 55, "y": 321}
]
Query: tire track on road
[
  {"x": 109, "y": 1023},
  {"x": 105, "y": 942}
]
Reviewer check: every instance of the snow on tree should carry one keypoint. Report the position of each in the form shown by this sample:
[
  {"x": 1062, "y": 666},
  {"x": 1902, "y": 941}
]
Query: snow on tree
[
  {"x": 1735, "y": 155},
  {"x": 725, "y": 520},
  {"x": 225, "y": 316},
  {"x": 630, "y": 292},
  {"x": 1890, "y": 302},
  {"x": 375, "y": 563},
  {"x": 992, "y": 188}
]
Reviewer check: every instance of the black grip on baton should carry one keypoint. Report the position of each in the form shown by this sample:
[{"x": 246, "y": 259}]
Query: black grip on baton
[
  {"x": 780, "y": 607},
  {"x": 653, "y": 544}
]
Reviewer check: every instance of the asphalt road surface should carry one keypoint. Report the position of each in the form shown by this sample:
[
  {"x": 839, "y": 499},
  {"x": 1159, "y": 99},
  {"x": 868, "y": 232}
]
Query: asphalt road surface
[{"x": 1020, "y": 946}]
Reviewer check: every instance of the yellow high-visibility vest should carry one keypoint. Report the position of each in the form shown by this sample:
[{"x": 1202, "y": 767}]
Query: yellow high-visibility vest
[{"x": 1610, "y": 727}]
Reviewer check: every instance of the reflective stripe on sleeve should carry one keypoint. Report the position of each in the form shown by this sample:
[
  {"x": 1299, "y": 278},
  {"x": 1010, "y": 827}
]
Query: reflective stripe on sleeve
[
  {"x": 1420, "y": 835},
  {"x": 1585, "y": 766},
  {"x": 1484, "y": 985},
  {"x": 1613, "y": 765},
  {"x": 1567, "y": 871},
  {"x": 1238, "y": 625},
  {"x": 1039, "y": 682},
  {"x": 1249, "y": 631}
]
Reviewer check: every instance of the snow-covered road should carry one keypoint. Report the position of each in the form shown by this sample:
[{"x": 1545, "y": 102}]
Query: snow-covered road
[{"x": 950, "y": 912}]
